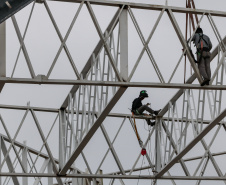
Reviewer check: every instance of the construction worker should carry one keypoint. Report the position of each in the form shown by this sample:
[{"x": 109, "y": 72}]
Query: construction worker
[
  {"x": 203, "y": 46},
  {"x": 138, "y": 108}
]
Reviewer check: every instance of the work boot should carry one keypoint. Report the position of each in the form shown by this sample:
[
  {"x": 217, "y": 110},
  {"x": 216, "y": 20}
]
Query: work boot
[
  {"x": 156, "y": 112},
  {"x": 151, "y": 123},
  {"x": 205, "y": 82}
]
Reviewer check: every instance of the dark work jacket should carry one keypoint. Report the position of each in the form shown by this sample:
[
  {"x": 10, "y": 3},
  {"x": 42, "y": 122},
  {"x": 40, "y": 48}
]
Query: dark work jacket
[
  {"x": 206, "y": 41},
  {"x": 136, "y": 104}
]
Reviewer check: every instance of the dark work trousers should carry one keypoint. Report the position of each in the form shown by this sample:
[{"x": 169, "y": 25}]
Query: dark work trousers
[
  {"x": 204, "y": 65},
  {"x": 148, "y": 109},
  {"x": 143, "y": 108}
]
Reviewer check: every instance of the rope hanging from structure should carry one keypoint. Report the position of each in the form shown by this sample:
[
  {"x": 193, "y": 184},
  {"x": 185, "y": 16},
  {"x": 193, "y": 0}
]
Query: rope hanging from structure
[
  {"x": 190, "y": 20},
  {"x": 136, "y": 132},
  {"x": 140, "y": 170},
  {"x": 143, "y": 149}
]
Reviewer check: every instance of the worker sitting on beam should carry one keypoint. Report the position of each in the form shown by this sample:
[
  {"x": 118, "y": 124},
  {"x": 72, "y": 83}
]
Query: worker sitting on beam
[{"x": 138, "y": 108}]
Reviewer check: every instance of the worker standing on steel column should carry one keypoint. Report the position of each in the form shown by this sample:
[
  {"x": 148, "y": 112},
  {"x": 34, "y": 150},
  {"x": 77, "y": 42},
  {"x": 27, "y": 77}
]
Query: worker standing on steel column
[
  {"x": 138, "y": 108},
  {"x": 203, "y": 46}
]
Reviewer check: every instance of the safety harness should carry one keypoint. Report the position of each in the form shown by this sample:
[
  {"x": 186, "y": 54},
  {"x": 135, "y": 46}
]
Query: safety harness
[{"x": 200, "y": 51}]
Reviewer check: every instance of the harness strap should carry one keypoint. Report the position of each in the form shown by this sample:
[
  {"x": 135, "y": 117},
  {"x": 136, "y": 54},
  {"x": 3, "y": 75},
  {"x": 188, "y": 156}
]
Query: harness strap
[
  {"x": 199, "y": 52},
  {"x": 202, "y": 39},
  {"x": 138, "y": 137},
  {"x": 201, "y": 45}
]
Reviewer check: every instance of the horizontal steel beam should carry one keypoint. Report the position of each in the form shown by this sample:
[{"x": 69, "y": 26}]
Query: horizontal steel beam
[
  {"x": 108, "y": 83},
  {"x": 150, "y": 7},
  {"x": 201, "y": 156},
  {"x": 113, "y": 176},
  {"x": 117, "y": 115},
  {"x": 121, "y": 115},
  {"x": 16, "y": 107}
]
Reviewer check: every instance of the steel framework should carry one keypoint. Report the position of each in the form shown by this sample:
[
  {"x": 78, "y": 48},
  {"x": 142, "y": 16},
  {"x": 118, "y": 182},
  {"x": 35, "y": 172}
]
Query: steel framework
[{"x": 184, "y": 144}]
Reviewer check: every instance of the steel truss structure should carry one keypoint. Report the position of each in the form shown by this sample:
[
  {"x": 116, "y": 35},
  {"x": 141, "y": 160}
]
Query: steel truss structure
[{"x": 178, "y": 146}]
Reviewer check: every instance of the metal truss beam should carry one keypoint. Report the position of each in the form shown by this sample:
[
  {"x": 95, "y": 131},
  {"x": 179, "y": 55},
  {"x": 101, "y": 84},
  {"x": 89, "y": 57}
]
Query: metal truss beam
[
  {"x": 186, "y": 171},
  {"x": 101, "y": 35},
  {"x": 63, "y": 40},
  {"x": 109, "y": 83},
  {"x": 95, "y": 53},
  {"x": 8, "y": 161},
  {"x": 24, "y": 49},
  {"x": 31, "y": 150},
  {"x": 14, "y": 148},
  {"x": 55, "y": 169},
  {"x": 145, "y": 45},
  {"x": 148, "y": 167},
  {"x": 117, "y": 115},
  {"x": 34, "y": 151},
  {"x": 27, "y": 107},
  {"x": 189, "y": 81},
  {"x": 147, "y": 177},
  {"x": 111, "y": 147},
  {"x": 92, "y": 130},
  {"x": 192, "y": 143},
  {"x": 151, "y": 7},
  {"x": 200, "y": 157},
  {"x": 184, "y": 44}
]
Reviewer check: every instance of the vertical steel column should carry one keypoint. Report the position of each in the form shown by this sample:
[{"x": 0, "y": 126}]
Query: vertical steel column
[
  {"x": 24, "y": 161},
  {"x": 50, "y": 171},
  {"x": 62, "y": 127},
  {"x": 100, "y": 179},
  {"x": 2, "y": 52},
  {"x": 157, "y": 145},
  {"x": 123, "y": 28},
  {"x": 74, "y": 180}
]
